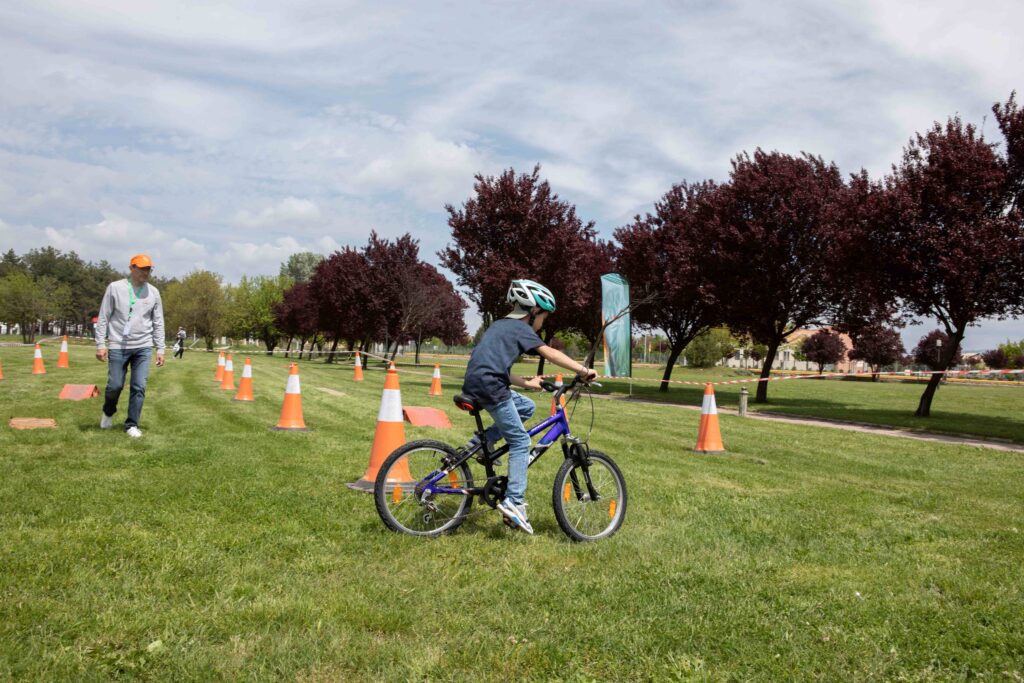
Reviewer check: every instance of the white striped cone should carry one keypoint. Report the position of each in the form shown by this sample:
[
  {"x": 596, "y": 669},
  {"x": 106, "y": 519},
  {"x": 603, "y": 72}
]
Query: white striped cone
[
  {"x": 709, "y": 436},
  {"x": 218, "y": 377},
  {"x": 62, "y": 358},
  {"x": 228, "y": 381},
  {"x": 390, "y": 435},
  {"x": 291, "y": 410},
  {"x": 435, "y": 383},
  {"x": 245, "y": 385},
  {"x": 37, "y": 362}
]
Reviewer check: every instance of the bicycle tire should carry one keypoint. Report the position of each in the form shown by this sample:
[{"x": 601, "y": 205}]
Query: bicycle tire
[
  {"x": 392, "y": 507},
  {"x": 577, "y": 515}
]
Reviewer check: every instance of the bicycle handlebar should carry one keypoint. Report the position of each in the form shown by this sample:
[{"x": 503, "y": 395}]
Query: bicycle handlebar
[{"x": 553, "y": 388}]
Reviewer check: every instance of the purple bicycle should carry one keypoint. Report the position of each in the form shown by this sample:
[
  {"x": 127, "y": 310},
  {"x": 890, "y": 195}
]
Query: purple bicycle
[{"x": 426, "y": 488}]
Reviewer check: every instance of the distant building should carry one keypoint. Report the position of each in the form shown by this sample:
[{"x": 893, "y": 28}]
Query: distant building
[{"x": 785, "y": 358}]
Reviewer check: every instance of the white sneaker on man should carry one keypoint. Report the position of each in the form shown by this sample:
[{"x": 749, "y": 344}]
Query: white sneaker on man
[
  {"x": 107, "y": 421},
  {"x": 133, "y": 432}
]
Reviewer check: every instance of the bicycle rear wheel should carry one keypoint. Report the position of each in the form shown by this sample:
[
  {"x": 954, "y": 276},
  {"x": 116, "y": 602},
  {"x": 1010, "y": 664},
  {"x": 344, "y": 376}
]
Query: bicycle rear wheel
[
  {"x": 589, "y": 499},
  {"x": 402, "y": 508}
]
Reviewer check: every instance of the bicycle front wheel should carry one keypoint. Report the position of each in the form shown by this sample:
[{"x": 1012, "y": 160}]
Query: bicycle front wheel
[
  {"x": 589, "y": 498},
  {"x": 399, "y": 496}
]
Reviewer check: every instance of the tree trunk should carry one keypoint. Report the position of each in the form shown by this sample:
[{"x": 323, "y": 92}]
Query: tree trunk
[
  {"x": 270, "y": 342},
  {"x": 766, "y": 371},
  {"x": 548, "y": 336},
  {"x": 334, "y": 347},
  {"x": 924, "y": 408},
  {"x": 394, "y": 352},
  {"x": 418, "y": 343},
  {"x": 288, "y": 349},
  {"x": 209, "y": 343},
  {"x": 673, "y": 355}
]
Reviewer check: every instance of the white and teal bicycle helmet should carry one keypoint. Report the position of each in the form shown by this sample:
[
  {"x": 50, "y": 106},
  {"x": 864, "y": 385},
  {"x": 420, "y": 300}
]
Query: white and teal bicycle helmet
[{"x": 526, "y": 294}]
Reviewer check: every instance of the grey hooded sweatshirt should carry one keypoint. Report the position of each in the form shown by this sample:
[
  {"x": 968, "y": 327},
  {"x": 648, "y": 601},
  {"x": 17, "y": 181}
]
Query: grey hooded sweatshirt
[{"x": 140, "y": 329}]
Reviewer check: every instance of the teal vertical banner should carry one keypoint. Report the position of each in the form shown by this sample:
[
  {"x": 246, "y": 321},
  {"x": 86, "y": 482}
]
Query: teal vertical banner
[{"x": 618, "y": 340}]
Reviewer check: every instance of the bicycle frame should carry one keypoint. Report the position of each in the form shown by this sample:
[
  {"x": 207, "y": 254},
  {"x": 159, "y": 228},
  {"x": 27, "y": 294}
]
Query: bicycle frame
[{"x": 557, "y": 425}]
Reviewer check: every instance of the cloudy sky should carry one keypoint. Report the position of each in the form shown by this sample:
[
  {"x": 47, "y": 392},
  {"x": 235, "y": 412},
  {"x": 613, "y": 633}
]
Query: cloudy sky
[{"x": 228, "y": 136}]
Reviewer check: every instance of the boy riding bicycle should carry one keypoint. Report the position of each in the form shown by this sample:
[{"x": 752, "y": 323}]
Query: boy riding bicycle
[{"x": 488, "y": 378}]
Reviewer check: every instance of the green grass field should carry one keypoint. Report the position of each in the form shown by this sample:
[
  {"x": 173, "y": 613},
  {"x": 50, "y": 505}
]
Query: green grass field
[
  {"x": 217, "y": 549},
  {"x": 969, "y": 410}
]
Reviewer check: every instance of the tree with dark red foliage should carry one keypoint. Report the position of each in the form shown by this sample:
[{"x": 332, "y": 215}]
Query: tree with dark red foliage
[
  {"x": 297, "y": 315},
  {"x": 1010, "y": 118},
  {"x": 516, "y": 227},
  {"x": 391, "y": 264},
  {"x": 775, "y": 246},
  {"x": 822, "y": 348},
  {"x": 347, "y": 304},
  {"x": 949, "y": 237},
  {"x": 995, "y": 359},
  {"x": 661, "y": 255},
  {"x": 931, "y": 354},
  {"x": 877, "y": 346},
  {"x": 429, "y": 305}
]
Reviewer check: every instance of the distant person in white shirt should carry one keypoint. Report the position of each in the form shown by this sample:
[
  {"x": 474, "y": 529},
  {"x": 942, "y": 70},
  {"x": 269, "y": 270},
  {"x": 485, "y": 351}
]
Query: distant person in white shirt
[
  {"x": 131, "y": 322},
  {"x": 179, "y": 346}
]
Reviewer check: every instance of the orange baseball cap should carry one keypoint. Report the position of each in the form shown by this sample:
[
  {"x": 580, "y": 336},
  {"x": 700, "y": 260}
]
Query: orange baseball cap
[{"x": 141, "y": 261}]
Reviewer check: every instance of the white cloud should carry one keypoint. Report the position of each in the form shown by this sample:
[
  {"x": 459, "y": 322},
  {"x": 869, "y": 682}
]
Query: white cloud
[
  {"x": 431, "y": 172},
  {"x": 289, "y": 212}
]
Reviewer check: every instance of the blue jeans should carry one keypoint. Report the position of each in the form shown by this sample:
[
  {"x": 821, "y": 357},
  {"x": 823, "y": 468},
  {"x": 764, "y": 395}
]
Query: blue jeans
[
  {"x": 508, "y": 424},
  {"x": 118, "y": 361}
]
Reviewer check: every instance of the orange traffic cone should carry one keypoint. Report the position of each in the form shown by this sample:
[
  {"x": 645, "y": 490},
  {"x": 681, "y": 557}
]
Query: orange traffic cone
[
  {"x": 390, "y": 435},
  {"x": 245, "y": 385},
  {"x": 1, "y": 370},
  {"x": 561, "y": 400},
  {"x": 359, "y": 369},
  {"x": 62, "y": 358},
  {"x": 228, "y": 381},
  {"x": 709, "y": 436},
  {"x": 435, "y": 383},
  {"x": 291, "y": 409},
  {"x": 37, "y": 362},
  {"x": 219, "y": 377}
]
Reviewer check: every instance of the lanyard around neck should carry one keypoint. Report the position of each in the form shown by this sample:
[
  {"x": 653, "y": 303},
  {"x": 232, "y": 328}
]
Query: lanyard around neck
[{"x": 132, "y": 298}]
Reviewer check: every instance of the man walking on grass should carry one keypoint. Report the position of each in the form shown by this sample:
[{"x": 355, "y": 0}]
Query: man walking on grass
[{"x": 131, "y": 321}]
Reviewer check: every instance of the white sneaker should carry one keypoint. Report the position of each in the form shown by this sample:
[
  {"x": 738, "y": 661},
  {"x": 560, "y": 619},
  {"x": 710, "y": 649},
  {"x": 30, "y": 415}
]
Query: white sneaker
[
  {"x": 515, "y": 515},
  {"x": 133, "y": 432},
  {"x": 107, "y": 421}
]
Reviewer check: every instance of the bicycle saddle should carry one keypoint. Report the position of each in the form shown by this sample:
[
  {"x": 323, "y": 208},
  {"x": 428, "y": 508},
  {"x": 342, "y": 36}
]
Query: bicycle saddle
[{"x": 467, "y": 402}]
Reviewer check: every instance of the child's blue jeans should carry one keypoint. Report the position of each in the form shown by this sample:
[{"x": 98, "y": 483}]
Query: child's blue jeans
[{"x": 509, "y": 418}]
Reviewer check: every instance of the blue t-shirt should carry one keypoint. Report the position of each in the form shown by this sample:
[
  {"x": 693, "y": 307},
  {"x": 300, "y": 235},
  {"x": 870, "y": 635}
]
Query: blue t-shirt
[{"x": 487, "y": 377}]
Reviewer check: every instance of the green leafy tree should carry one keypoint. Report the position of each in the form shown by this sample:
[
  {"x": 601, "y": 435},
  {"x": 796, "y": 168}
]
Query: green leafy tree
[
  {"x": 299, "y": 267},
  {"x": 1014, "y": 352},
  {"x": 27, "y": 301},
  {"x": 197, "y": 303},
  {"x": 11, "y": 263},
  {"x": 710, "y": 347},
  {"x": 251, "y": 308}
]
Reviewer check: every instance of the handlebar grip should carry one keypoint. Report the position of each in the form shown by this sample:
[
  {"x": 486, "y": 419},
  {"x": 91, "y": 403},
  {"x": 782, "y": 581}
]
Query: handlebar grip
[{"x": 548, "y": 386}]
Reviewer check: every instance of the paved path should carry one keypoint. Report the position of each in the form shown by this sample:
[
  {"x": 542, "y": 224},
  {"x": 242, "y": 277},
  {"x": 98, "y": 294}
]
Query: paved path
[{"x": 866, "y": 428}]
